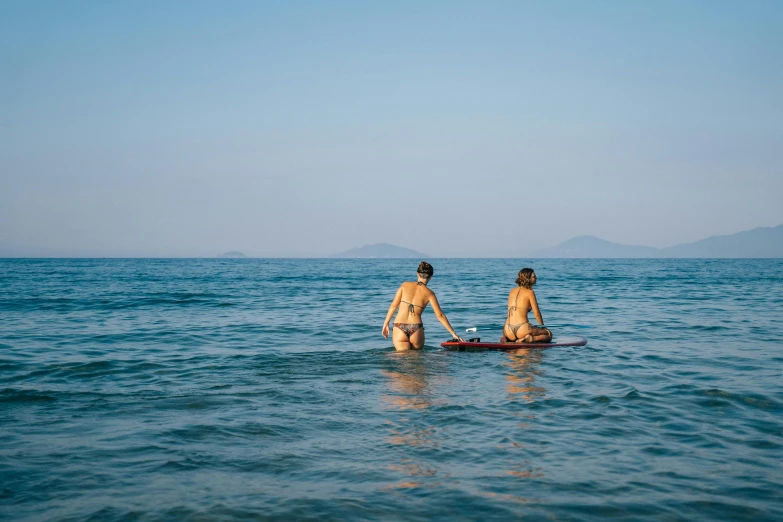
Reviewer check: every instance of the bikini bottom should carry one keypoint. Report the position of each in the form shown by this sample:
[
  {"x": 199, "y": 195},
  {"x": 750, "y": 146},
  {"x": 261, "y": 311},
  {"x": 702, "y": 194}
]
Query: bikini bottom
[
  {"x": 531, "y": 331},
  {"x": 515, "y": 327},
  {"x": 409, "y": 328}
]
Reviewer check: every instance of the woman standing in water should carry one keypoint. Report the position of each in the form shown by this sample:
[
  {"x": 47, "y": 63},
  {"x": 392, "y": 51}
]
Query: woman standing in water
[
  {"x": 410, "y": 301},
  {"x": 520, "y": 301}
]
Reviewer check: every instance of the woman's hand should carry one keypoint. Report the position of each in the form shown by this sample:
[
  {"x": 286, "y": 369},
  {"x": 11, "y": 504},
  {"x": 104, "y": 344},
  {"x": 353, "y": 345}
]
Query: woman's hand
[{"x": 385, "y": 330}]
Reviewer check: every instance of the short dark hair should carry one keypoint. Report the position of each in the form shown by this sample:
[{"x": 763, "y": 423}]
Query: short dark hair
[
  {"x": 425, "y": 269},
  {"x": 525, "y": 278}
]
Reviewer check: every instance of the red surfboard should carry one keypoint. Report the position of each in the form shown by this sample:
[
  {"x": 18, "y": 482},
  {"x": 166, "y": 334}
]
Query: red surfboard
[{"x": 478, "y": 345}]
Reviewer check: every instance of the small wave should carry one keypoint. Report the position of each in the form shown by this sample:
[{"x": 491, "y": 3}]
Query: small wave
[
  {"x": 751, "y": 400},
  {"x": 12, "y": 395}
]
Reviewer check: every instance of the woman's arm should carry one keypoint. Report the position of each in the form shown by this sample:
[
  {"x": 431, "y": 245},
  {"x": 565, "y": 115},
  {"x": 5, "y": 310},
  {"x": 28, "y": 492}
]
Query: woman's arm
[
  {"x": 395, "y": 303},
  {"x": 442, "y": 317},
  {"x": 534, "y": 306}
]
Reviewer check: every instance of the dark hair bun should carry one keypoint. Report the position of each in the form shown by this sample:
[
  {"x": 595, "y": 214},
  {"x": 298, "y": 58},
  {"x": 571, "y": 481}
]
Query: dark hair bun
[{"x": 425, "y": 269}]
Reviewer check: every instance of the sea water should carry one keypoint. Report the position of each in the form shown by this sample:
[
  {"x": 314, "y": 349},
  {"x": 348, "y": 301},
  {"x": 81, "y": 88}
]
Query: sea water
[{"x": 262, "y": 389}]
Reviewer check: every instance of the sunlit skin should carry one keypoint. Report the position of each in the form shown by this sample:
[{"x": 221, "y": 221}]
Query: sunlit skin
[
  {"x": 522, "y": 300},
  {"x": 420, "y": 296}
]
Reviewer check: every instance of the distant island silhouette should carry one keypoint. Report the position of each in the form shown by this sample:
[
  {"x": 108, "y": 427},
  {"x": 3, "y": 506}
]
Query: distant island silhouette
[
  {"x": 759, "y": 242},
  {"x": 381, "y": 250}
]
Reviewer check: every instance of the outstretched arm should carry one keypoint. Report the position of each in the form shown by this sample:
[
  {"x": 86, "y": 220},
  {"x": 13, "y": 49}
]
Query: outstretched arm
[
  {"x": 534, "y": 306},
  {"x": 395, "y": 303},
  {"x": 442, "y": 317}
]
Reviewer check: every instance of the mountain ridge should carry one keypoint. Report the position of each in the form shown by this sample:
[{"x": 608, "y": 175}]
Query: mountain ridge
[
  {"x": 380, "y": 250},
  {"x": 760, "y": 242}
]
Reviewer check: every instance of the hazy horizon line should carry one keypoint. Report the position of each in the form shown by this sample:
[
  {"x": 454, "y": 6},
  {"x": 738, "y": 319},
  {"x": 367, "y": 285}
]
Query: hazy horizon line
[{"x": 332, "y": 255}]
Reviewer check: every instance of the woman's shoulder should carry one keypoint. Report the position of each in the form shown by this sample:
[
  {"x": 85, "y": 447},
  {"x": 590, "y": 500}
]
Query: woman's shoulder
[
  {"x": 408, "y": 286},
  {"x": 416, "y": 287}
]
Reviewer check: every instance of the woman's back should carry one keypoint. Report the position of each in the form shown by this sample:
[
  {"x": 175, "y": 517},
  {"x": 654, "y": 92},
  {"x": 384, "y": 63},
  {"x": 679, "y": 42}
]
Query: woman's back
[
  {"x": 415, "y": 297},
  {"x": 519, "y": 304}
]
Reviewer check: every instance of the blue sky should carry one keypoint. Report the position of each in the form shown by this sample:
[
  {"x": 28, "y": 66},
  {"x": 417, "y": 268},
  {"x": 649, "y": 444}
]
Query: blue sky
[{"x": 454, "y": 128}]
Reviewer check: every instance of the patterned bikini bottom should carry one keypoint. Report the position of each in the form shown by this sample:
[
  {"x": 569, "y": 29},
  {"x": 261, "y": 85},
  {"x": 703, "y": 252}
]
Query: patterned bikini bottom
[{"x": 409, "y": 328}]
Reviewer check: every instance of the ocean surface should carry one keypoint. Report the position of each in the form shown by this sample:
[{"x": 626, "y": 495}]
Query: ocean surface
[{"x": 244, "y": 389}]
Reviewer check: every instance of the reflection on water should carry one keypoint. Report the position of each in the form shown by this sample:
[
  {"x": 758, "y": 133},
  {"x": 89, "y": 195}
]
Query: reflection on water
[
  {"x": 407, "y": 391},
  {"x": 418, "y": 476},
  {"x": 512, "y": 498},
  {"x": 413, "y": 435},
  {"x": 523, "y": 367},
  {"x": 524, "y": 471},
  {"x": 413, "y": 381},
  {"x": 523, "y": 364}
]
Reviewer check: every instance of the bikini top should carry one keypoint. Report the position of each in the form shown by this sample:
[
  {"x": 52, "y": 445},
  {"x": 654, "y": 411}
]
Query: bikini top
[
  {"x": 411, "y": 305},
  {"x": 514, "y": 308}
]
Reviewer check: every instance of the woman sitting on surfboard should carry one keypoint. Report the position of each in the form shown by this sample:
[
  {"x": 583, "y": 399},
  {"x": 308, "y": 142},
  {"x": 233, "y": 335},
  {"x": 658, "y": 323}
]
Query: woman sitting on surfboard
[
  {"x": 520, "y": 301},
  {"x": 412, "y": 298}
]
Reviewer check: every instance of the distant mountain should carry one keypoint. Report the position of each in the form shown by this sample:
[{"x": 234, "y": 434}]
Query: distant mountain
[
  {"x": 590, "y": 246},
  {"x": 233, "y": 255},
  {"x": 759, "y": 242},
  {"x": 382, "y": 250}
]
